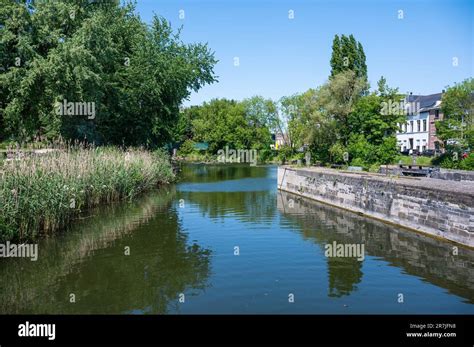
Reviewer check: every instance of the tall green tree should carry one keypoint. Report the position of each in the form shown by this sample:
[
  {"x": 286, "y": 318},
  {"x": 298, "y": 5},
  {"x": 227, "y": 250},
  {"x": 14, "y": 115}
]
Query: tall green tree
[
  {"x": 348, "y": 54},
  {"x": 336, "y": 56},
  {"x": 262, "y": 112},
  {"x": 136, "y": 75},
  {"x": 458, "y": 109},
  {"x": 373, "y": 132},
  {"x": 239, "y": 125},
  {"x": 337, "y": 98}
]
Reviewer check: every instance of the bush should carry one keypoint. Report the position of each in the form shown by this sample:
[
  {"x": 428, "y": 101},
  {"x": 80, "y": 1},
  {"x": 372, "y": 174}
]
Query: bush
[
  {"x": 337, "y": 151},
  {"x": 360, "y": 148},
  {"x": 446, "y": 160},
  {"x": 358, "y": 162},
  {"x": 187, "y": 147},
  {"x": 285, "y": 153},
  {"x": 266, "y": 155},
  {"x": 467, "y": 163},
  {"x": 387, "y": 151}
]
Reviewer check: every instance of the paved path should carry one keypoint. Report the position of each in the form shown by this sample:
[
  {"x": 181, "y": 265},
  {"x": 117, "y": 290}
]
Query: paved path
[{"x": 463, "y": 187}]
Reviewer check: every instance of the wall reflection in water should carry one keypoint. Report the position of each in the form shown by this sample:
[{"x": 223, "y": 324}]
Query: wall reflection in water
[{"x": 416, "y": 254}]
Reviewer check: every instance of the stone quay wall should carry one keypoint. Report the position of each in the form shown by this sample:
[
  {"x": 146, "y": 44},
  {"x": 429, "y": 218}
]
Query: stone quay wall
[{"x": 440, "y": 208}]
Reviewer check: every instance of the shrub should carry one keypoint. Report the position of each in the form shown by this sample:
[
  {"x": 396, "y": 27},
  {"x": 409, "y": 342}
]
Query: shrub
[
  {"x": 187, "y": 147},
  {"x": 454, "y": 160},
  {"x": 266, "y": 155},
  {"x": 467, "y": 163},
  {"x": 336, "y": 151},
  {"x": 285, "y": 153}
]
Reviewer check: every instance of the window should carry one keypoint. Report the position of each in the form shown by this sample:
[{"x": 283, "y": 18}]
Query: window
[
  {"x": 436, "y": 114},
  {"x": 424, "y": 124},
  {"x": 418, "y": 125},
  {"x": 411, "y": 126},
  {"x": 423, "y": 148}
]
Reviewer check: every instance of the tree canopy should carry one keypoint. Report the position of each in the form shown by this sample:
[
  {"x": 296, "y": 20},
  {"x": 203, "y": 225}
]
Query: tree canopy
[
  {"x": 240, "y": 125},
  {"x": 136, "y": 75},
  {"x": 348, "y": 54},
  {"x": 458, "y": 108}
]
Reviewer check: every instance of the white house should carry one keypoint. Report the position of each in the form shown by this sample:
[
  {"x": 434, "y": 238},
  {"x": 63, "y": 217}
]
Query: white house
[{"x": 419, "y": 131}]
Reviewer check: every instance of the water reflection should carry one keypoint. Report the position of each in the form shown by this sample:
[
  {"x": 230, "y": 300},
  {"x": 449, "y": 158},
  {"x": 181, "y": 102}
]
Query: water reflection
[
  {"x": 240, "y": 191},
  {"x": 416, "y": 254},
  {"x": 282, "y": 251},
  {"x": 216, "y": 173},
  {"x": 90, "y": 262}
]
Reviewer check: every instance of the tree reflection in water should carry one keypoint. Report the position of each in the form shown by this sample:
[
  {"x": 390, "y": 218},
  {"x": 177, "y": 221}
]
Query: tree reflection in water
[
  {"x": 416, "y": 254},
  {"x": 90, "y": 262}
]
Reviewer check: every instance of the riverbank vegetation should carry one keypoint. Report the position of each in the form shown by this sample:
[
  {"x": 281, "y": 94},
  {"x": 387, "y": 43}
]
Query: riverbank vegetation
[
  {"x": 219, "y": 123},
  {"x": 100, "y": 54},
  {"x": 42, "y": 194},
  {"x": 94, "y": 74}
]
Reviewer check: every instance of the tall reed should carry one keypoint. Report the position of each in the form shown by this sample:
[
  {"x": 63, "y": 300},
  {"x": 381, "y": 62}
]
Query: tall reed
[{"x": 42, "y": 194}]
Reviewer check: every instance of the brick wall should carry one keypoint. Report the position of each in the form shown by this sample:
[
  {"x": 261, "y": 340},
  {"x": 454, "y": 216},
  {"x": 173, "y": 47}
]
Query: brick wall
[{"x": 432, "y": 128}]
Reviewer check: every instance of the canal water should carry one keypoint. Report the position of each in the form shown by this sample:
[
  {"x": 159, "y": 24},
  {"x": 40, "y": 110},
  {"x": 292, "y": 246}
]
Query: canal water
[{"x": 225, "y": 240}]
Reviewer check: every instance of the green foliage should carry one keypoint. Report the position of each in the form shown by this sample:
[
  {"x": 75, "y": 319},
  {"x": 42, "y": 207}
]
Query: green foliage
[
  {"x": 261, "y": 112},
  {"x": 348, "y": 54},
  {"x": 327, "y": 113},
  {"x": 187, "y": 147},
  {"x": 358, "y": 162},
  {"x": 408, "y": 160},
  {"x": 467, "y": 163},
  {"x": 266, "y": 155},
  {"x": 299, "y": 112},
  {"x": 137, "y": 75},
  {"x": 239, "y": 125},
  {"x": 339, "y": 117},
  {"x": 455, "y": 160},
  {"x": 336, "y": 152},
  {"x": 29, "y": 191},
  {"x": 285, "y": 154},
  {"x": 184, "y": 128},
  {"x": 360, "y": 148},
  {"x": 387, "y": 150},
  {"x": 458, "y": 109},
  {"x": 367, "y": 153}
]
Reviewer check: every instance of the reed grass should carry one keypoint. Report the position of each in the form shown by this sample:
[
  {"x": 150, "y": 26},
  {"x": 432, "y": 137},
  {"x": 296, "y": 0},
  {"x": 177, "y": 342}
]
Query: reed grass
[{"x": 43, "y": 194}]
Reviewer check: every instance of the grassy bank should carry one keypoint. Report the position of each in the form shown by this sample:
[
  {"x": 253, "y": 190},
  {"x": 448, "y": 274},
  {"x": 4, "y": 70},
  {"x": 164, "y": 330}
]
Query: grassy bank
[{"x": 42, "y": 194}]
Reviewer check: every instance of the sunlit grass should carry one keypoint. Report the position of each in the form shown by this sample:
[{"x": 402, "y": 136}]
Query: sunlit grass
[{"x": 408, "y": 160}]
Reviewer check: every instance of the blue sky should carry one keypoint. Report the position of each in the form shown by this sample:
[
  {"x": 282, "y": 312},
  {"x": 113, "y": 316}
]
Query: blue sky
[{"x": 279, "y": 56}]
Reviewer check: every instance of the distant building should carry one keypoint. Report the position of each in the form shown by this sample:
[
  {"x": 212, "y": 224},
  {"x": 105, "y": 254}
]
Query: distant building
[
  {"x": 280, "y": 140},
  {"x": 419, "y": 131}
]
